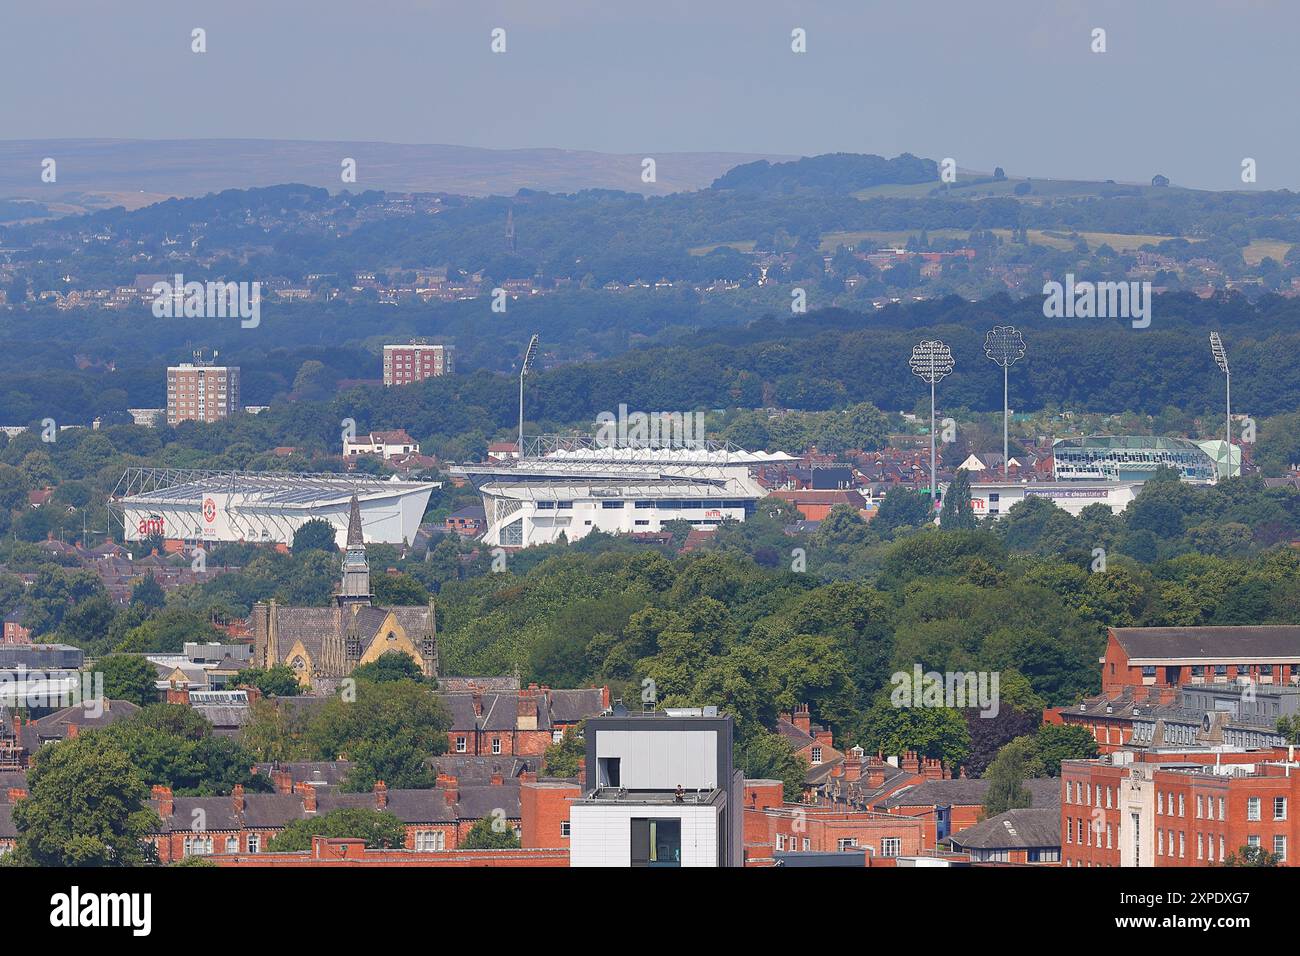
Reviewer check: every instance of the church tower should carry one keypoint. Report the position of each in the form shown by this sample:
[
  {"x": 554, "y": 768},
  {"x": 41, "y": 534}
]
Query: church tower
[{"x": 356, "y": 569}]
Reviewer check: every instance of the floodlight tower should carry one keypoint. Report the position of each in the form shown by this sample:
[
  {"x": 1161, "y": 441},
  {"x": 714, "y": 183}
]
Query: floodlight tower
[
  {"x": 1005, "y": 346},
  {"x": 1221, "y": 360},
  {"x": 529, "y": 355},
  {"x": 931, "y": 362}
]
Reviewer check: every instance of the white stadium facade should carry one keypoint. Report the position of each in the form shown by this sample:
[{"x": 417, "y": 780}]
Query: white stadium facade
[
  {"x": 572, "y": 486},
  {"x": 264, "y": 507}
]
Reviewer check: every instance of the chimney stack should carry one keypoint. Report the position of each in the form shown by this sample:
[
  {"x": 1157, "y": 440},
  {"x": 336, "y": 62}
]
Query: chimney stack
[
  {"x": 381, "y": 794},
  {"x": 237, "y": 798},
  {"x": 447, "y": 782},
  {"x": 282, "y": 780},
  {"x": 309, "y": 798},
  {"x": 166, "y": 805},
  {"x": 911, "y": 762},
  {"x": 802, "y": 719}
]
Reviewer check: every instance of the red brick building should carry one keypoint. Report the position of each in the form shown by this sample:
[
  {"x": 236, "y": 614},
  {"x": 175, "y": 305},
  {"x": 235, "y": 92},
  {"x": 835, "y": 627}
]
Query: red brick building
[
  {"x": 773, "y": 826},
  {"x": 1165, "y": 658},
  {"x": 514, "y": 723},
  {"x": 1171, "y": 809},
  {"x": 337, "y": 851}
]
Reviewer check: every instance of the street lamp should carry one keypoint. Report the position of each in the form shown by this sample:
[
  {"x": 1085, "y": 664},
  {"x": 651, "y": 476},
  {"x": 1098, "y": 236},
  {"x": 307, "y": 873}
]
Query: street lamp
[
  {"x": 1005, "y": 346},
  {"x": 529, "y": 355},
  {"x": 931, "y": 362},
  {"x": 1221, "y": 360}
]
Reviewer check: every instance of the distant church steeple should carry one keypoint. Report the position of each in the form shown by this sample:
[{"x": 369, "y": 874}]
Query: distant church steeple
[
  {"x": 510, "y": 229},
  {"x": 356, "y": 569}
]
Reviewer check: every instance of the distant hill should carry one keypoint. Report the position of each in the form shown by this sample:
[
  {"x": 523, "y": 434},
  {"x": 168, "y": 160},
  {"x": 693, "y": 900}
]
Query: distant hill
[
  {"x": 832, "y": 174},
  {"x": 103, "y": 172}
]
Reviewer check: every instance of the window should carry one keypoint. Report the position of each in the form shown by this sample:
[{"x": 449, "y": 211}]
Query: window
[
  {"x": 496, "y": 745},
  {"x": 1182, "y": 844},
  {"x": 1279, "y": 846},
  {"x": 1221, "y": 808},
  {"x": 807, "y": 844},
  {"x": 656, "y": 841},
  {"x": 198, "y": 845},
  {"x": 1252, "y": 808},
  {"x": 427, "y": 840},
  {"x": 564, "y": 828},
  {"x": 891, "y": 846},
  {"x": 232, "y": 844},
  {"x": 845, "y": 843},
  {"x": 1180, "y": 805},
  {"x": 460, "y": 745},
  {"x": 817, "y": 755},
  {"x": 1279, "y": 808},
  {"x": 254, "y": 843}
]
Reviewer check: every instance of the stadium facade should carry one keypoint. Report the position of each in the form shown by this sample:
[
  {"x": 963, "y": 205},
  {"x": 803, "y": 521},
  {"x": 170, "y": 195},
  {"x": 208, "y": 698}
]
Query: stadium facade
[
  {"x": 198, "y": 507},
  {"x": 568, "y": 487},
  {"x": 1136, "y": 458}
]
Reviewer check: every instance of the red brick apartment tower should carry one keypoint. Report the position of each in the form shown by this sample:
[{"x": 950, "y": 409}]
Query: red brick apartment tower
[
  {"x": 404, "y": 364},
  {"x": 201, "y": 392}
]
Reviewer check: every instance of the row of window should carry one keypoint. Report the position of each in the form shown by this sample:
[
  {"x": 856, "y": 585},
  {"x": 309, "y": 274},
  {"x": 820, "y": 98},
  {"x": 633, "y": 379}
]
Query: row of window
[
  {"x": 462, "y": 743},
  {"x": 203, "y": 845}
]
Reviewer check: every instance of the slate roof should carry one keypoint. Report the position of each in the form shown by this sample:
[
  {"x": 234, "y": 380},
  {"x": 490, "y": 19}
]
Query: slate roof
[
  {"x": 313, "y": 625},
  {"x": 1013, "y": 830},
  {"x": 11, "y": 779},
  {"x": 270, "y": 811},
  {"x": 55, "y": 726},
  {"x": 1211, "y": 643},
  {"x": 968, "y": 792},
  {"x": 7, "y": 829}
]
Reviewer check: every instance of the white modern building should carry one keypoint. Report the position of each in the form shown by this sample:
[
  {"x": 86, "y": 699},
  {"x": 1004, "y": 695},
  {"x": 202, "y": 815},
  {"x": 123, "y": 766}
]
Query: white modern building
[
  {"x": 571, "y": 487},
  {"x": 264, "y": 507},
  {"x": 660, "y": 791},
  {"x": 997, "y": 498}
]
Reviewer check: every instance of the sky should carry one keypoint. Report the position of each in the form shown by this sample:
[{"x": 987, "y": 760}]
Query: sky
[{"x": 1185, "y": 88}]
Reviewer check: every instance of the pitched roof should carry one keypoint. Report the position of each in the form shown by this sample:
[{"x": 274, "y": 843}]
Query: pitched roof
[
  {"x": 1013, "y": 829},
  {"x": 1210, "y": 643},
  {"x": 969, "y": 792},
  {"x": 55, "y": 726}
]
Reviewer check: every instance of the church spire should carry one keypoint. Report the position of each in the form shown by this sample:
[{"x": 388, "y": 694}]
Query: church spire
[
  {"x": 356, "y": 569},
  {"x": 355, "y": 540}
]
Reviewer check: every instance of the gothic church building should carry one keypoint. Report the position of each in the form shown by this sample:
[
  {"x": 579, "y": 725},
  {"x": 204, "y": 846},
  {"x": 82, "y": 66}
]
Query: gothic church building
[{"x": 323, "y": 644}]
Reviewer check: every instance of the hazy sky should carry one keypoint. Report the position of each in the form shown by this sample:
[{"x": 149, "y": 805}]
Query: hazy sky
[{"x": 1187, "y": 88}]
